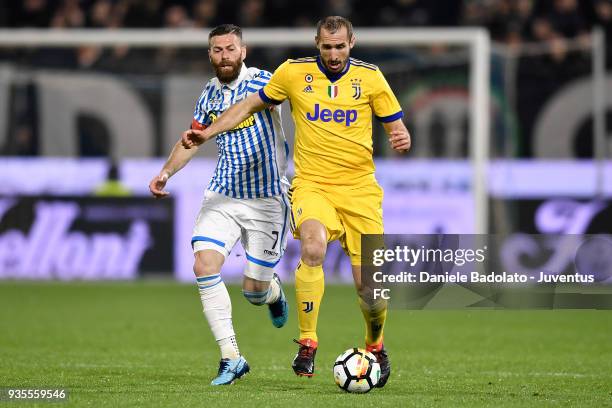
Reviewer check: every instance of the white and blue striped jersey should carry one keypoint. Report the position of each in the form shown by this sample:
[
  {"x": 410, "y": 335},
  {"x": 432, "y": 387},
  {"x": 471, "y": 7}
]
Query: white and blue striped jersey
[{"x": 253, "y": 156}]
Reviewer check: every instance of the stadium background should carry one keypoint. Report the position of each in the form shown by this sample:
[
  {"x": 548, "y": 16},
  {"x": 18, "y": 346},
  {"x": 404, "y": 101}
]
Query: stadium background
[{"x": 68, "y": 115}]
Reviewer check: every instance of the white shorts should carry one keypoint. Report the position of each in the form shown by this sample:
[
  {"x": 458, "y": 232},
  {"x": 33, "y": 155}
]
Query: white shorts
[{"x": 260, "y": 224}]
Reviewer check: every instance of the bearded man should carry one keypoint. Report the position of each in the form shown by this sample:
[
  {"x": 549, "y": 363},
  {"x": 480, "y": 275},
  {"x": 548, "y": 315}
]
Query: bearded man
[{"x": 245, "y": 198}]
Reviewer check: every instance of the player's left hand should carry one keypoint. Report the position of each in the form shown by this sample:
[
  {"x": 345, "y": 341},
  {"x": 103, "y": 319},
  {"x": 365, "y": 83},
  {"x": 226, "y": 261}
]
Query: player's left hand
[{"x": 400, "y": 140}]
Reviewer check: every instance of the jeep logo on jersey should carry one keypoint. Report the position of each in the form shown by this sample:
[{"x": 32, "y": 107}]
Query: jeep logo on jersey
[
  {"x": 248, "y": 122},
  {"x": 327, "y": 115}
]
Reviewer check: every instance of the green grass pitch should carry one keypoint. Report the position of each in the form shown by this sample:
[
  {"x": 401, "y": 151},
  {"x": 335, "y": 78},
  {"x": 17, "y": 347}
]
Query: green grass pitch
[{"x": 148, "y": 345}]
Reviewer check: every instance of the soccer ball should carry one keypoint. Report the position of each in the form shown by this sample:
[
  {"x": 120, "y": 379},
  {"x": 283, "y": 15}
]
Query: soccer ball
[{"x": 356, "y": 370}]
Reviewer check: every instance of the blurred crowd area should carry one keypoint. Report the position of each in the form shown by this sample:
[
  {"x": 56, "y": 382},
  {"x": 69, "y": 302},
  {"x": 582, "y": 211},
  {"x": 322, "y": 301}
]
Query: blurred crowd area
[
  {"x": 509, "y": 21},
  {"x": 555, "y": 24},
  {"x": 547, "y": 42}
]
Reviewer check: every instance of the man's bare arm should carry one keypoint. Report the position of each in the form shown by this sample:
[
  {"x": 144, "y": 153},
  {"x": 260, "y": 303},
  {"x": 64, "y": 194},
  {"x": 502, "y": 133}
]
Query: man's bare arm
[
  {"x": 231, "y": 118},
  {"x": 399, "y": 137},
  {"x": 178, "y": 158}
]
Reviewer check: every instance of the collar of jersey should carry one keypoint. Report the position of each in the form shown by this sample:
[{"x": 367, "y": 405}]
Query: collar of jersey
[
  {"x": 234, "y": 84},
  {"x": 331, "y": 76}
]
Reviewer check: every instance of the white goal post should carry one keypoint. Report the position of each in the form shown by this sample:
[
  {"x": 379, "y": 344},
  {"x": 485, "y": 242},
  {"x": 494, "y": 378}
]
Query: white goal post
[{"x": 477, "y": 40}]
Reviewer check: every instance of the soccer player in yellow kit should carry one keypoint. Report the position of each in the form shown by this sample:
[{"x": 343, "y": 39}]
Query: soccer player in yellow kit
[{"x": 334, "y": 194}]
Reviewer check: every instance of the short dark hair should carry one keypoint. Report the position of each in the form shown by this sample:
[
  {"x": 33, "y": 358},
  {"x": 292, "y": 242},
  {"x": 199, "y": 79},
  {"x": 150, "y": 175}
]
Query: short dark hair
[
  {"x": 334, "y": 23},
  {"x": 224, "y": 29}
]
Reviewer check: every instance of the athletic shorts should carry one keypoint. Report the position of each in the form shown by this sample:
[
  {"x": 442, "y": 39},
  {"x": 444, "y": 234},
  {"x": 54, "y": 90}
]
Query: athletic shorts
[
  {"x": 260, "y": 224},
  {"x": 345, "y": 211}
]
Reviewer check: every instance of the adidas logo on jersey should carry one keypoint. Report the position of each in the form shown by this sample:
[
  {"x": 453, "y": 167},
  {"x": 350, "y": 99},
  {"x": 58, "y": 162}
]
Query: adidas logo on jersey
[{"x": 308, "y": 89}]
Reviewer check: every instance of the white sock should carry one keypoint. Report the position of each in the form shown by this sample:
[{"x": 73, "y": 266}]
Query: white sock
[
  {"x": 217, "y": 308},
  {"x": 229, "y": 348},
  {"x": 274, "y": 292}
]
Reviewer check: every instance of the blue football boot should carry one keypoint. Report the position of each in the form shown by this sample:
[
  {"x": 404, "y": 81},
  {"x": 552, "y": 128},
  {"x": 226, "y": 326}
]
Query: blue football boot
[{"x": 230, "y": 370}]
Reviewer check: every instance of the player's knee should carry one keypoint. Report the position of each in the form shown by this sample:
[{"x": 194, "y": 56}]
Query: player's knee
[
  {"x": 207, "y": 265},
  {"x": 365, "y": 292},
  {"x": 313, "y": 252},
  {"x": 259, "y": 284},
  {"x": 204, "y": 269},
  {"x": 369, "y": 300}
]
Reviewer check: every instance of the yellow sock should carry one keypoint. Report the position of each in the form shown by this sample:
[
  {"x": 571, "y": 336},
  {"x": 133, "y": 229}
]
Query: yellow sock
[
  {"x": 309, "y": 288},
  {"x": 374, "y": 315}
]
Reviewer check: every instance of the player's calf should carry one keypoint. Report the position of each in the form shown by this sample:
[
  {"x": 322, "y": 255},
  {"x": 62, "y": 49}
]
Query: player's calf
[{"x": 274, "y": 297}]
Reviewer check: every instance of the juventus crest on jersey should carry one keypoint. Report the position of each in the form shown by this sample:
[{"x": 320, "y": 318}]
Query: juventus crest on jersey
[{"x": 252, "y": 156}]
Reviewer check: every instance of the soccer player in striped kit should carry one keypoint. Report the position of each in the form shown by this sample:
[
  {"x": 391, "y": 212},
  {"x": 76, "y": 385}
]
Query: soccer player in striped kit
[
  {"x": 334, "y": 194},
  {"x": 245, "y": 198}
]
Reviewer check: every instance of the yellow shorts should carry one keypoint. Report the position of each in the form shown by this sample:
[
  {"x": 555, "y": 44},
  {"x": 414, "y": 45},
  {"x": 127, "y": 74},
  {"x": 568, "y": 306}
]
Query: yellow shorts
[{"x": 345, "y": 211}]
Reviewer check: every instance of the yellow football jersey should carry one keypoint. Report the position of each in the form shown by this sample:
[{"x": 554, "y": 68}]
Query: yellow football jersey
[{"x": 333, "y": 117}]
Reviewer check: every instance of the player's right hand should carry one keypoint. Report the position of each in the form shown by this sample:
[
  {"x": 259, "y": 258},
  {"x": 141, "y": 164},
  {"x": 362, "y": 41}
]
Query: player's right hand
[
  {"x": 192, "y": 138},
  {"x": 156, "y": 186}
]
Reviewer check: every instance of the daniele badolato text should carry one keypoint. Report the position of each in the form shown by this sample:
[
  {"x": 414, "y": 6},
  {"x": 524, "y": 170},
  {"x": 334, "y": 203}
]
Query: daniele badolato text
[
  {"x": 460, "y": 259},
  {"x": 478, "y": 277}
]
